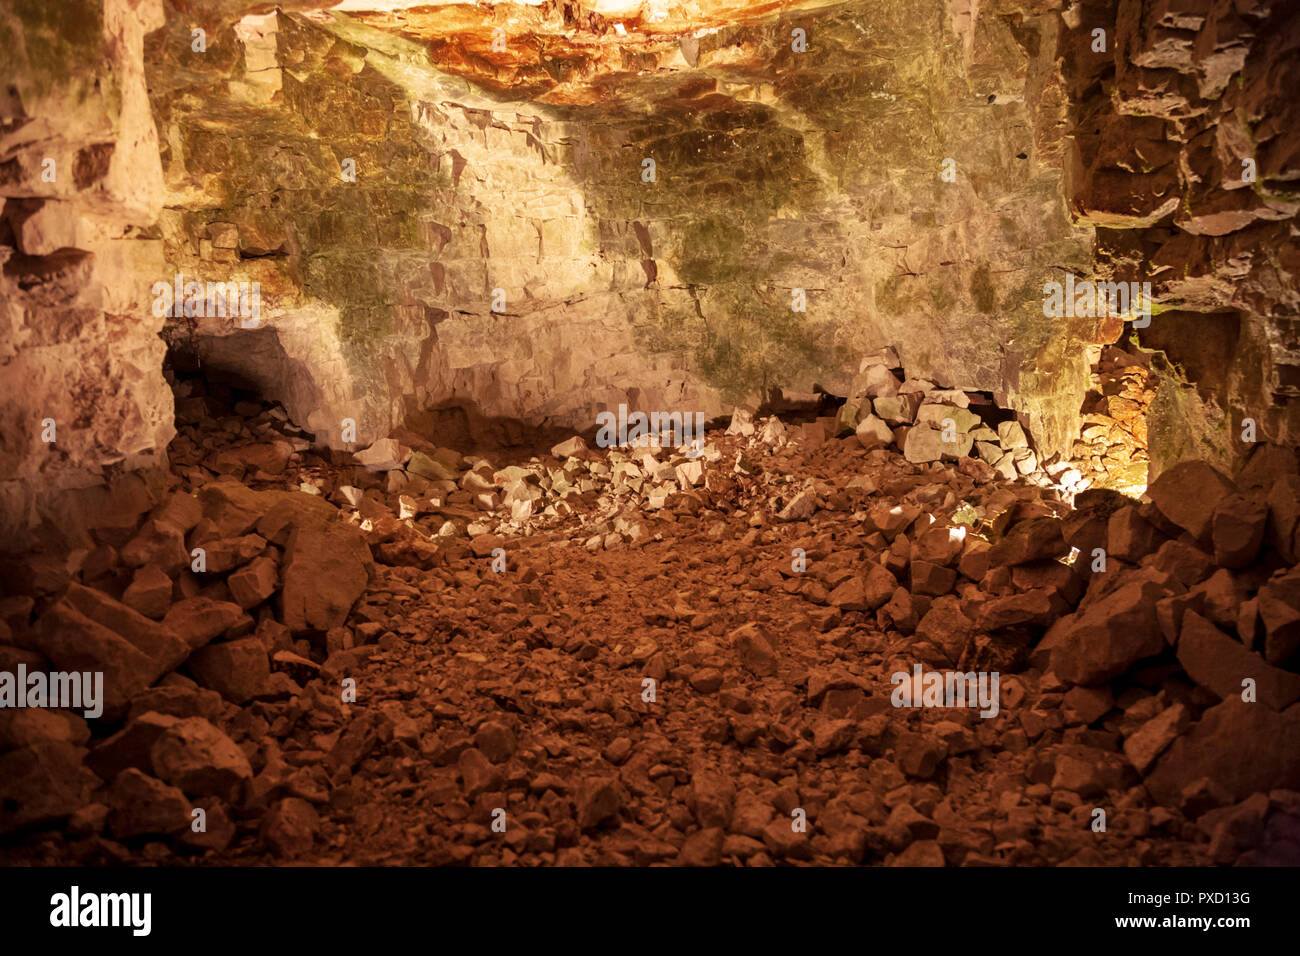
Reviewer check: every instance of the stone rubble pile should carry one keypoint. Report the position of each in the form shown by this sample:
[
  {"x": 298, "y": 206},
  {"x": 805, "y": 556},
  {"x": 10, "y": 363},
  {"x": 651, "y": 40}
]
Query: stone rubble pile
[
  {"x": 1112, "y": 444},
  {"x": 498, "y": 626},
  {"x": 928, "y": 423}
]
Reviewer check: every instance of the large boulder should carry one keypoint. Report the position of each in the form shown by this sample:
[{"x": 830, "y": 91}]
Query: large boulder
[
  {"x": 1218, "y": 662},
  {"x": 157, "y": 641},
  {"x": 1242, "y": 748},
  {"x": 237, "y": 670},
  {"x": 1237, "y": 529},
  {"x": 1279, "y": 609},
  {"x": 141, "y": 804},
  {"x": 1033, "y": 539},
  {"x": 325, "y": 572},
  {"x": 73, "y": 642},
  {"x": 873, "y": 433},
  {"x": 1102, "y": 640},
  {"x": 42, "y": 784},
  {"x": 1188, "y": 494},
  {"x": 196, "y": 756}
]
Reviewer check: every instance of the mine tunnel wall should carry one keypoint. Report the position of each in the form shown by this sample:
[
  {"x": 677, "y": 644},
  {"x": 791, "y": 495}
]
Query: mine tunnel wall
[{"x": 132, "y": 158}]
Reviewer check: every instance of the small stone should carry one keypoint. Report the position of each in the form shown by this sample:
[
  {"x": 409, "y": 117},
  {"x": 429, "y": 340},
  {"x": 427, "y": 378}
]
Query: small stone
[
  {"x": 230, "y": 553},
  {"x": 253, "y": 583},
  {"x": 702, "y": 848},
  {"x": 851, "y": 595},
  {"x": 919, "y": 755},
  {"x": 801, "y": 507},
  {"x": 598, "y": 800},
  {"x": 198, "y": 620},
  {"x": 431, "y": 469},
  {"x": 878, "y": 587},
  {"x": 756, "y": 652},
  {"x": 197, "y": 757},
  {"x": 784, "y": 841},
  {"x": 939, "y": 545},
  {"x": 384, "y": 455},
  {"x": 158, "y": 543},
  {"x": 898, "y": 409},
  {"x": 218, "y": 830},
  {"x": 130, "y": 747},
  {"x": 920, "y": 853},
  {"x": 713, "y": 799},
  {"x": 150, "y": 592},
  {"x": 569, "y": 448},
  {"x": 1149, "y": 741},
  {"x": 1086, "y": 705},
  {"x": 237, "y": 670},
  {"x": 89, "y": 821},
  {"x": 875, "y": 381},
  {"x": 689, "y": 474},
  {"x": 289, "y": 829},
  {"x": 495, "y": 740},
  {"x": 1013, "y": 610},
  {"x": 26, "y": 726},
  {"x": 140, "y": 804},
  {"x": 1011, "y": 435},
  {"x": 619, "y": 749},
  {"x": 476, "y": 772},
  {"x": 1078, "y": 776},
  {"x": 706, "y": 680},
  {"x": 932, "y": 580},
  {"x": 923, "y": 444}
]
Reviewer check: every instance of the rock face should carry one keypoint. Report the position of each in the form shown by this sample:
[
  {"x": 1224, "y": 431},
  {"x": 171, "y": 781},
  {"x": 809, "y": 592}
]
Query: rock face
[
  {"x": 80, "y": 357},
  {"x": 1187, "y": 147},
  {"x": 431, "y": 218},
  {"x": 478, "y": 242},
  {"x": 459, "y": 202}
]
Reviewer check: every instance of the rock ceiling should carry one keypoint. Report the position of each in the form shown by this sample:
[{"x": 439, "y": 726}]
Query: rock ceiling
[{"x": 574, "y": 54}]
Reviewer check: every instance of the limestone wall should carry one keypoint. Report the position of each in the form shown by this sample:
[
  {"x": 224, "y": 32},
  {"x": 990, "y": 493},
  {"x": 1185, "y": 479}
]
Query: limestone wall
[
  {"x": 520, "y": 169},
  {"x": 775, "y": 170},
  {"x": 80, "y": 357}
]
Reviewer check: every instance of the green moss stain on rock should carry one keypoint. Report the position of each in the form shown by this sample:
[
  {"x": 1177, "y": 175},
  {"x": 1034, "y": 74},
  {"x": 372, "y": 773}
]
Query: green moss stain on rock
[
  {"x": 278, "y": 173},
  {"x": 825, "y": 175},
  {"x": 725, "y": 184},
  {"x": 63, "y": 42},
  {"x": 981, "y": 289}
]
